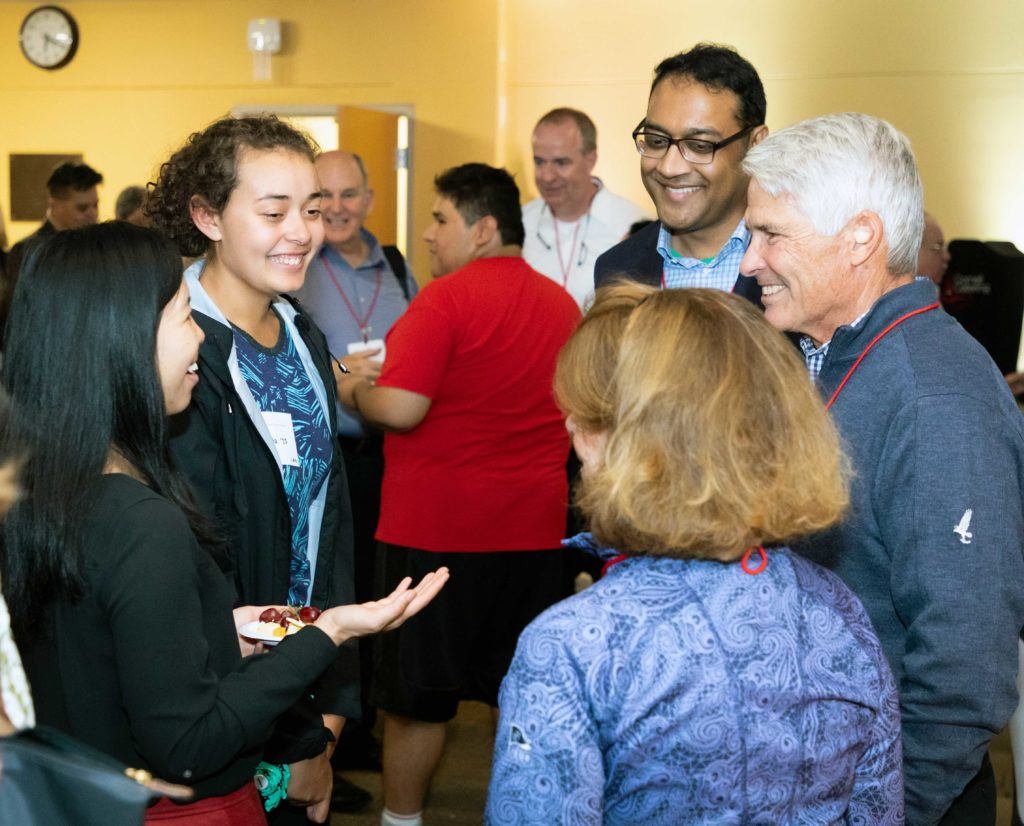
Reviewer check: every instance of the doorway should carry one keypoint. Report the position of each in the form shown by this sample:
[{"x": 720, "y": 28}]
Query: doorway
[{"x": 382, "y": 137}]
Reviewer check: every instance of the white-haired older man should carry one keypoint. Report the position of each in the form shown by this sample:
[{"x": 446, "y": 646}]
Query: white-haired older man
[{"x": 933, "y": 541}]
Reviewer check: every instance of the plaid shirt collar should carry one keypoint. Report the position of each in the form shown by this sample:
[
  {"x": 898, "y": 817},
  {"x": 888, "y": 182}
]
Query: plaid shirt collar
[
  {"x": 740, "y": 239},
  {"x": 719, "y": 273},
  {"x": 815, "y": 356}
]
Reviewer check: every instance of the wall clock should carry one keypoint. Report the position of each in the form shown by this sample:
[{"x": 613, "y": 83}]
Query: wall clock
[{"x": 49, "y": 37}]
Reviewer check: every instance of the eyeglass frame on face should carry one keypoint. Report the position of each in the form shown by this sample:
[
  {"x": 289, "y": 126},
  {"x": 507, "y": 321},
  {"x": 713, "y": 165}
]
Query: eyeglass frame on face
[{"x": 683, "y": 144}]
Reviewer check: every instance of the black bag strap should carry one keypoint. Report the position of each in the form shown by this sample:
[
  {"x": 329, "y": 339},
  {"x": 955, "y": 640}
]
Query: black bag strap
[{"x": 397, "y": 263}]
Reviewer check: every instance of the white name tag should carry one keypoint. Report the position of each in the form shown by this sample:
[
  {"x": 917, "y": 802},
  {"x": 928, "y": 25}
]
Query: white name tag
[
  {"x": 283, "y": 433},
  {"x": 372, "y": 344}
]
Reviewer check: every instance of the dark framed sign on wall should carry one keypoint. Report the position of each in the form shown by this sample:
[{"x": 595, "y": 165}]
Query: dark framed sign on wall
[{"x": 29, "y": 172}]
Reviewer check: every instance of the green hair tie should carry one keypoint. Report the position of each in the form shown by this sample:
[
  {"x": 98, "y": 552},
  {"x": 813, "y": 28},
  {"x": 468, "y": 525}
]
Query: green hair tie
[{"x": 272, "y": 783}]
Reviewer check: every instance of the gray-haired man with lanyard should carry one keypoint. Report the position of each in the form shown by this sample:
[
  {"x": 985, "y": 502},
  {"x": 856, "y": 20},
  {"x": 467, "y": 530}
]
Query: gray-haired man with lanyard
[
  {"x": 576, "y": 217},
  {"x": 355, "y": 295},
  {"x": 933, "y": 541}
]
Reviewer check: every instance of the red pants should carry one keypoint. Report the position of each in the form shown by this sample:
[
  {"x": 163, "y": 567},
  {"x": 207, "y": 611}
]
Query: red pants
[{"x": 242, "y": 807}]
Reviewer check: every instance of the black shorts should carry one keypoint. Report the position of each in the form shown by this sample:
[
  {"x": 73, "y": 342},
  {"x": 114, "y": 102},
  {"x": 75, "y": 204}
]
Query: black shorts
[{"x": 460, "y": 646}]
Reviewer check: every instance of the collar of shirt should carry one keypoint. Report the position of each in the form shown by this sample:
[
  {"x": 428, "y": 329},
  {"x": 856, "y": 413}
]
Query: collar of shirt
[
  {"x": 374, "y": 256},
  {"x": 547, "y": 221},
  {"x": 815, "y": 356},
  {"x": 718, "y": 273}
]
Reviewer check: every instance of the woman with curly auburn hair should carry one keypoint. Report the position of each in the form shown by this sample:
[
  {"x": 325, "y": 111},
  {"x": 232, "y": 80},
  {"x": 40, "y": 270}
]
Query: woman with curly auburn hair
[
  {"x": 711, "y": 675},
  {"x": 258, "y": 440}
]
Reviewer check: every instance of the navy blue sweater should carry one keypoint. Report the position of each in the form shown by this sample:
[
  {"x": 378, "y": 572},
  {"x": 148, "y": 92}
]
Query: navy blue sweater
[{"x": 933, "y": 541}]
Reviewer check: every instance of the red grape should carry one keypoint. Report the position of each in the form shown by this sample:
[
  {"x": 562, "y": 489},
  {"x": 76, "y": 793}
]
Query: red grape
[
  {"x": 309, "y": 613},
  {"x": 270, "y": 615}
]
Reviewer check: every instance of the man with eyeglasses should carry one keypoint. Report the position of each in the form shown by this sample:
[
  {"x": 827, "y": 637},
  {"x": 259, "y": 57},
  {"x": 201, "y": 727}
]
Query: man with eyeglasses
[
  {"x": 576, "y": 217},
  {"x": 706, "y": 109}
]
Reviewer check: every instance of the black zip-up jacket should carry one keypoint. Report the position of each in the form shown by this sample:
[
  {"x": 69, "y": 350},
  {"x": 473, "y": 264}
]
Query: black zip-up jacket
[{"x": 238, "y": 484}]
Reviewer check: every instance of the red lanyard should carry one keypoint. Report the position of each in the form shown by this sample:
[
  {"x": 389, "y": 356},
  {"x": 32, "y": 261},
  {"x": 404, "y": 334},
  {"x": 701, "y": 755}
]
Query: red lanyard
[
  {"x": 363, "y": 321},
  {"x": 744, "y": 562},
  {"x": 611, "y": 563},
  {"x": 874, "y": 341},
  {"x": 566, "y": 270}
]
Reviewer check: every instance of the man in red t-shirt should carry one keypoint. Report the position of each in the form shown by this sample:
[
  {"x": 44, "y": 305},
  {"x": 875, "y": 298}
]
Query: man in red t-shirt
[{"x": 474, "y": 469}]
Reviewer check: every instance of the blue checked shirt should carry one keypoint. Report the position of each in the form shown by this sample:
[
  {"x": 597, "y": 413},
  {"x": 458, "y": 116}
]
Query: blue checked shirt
[
  {"x": 719, "y": 274},
  {"x": 815, "y": 356}
]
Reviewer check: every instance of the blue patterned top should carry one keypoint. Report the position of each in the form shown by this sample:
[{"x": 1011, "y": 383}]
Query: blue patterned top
[
  {"x": 279, "y": 384},
  {"x": 687, "y": 691}
]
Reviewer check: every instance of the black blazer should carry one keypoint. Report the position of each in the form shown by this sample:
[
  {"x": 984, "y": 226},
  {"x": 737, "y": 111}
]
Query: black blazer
[
  {"x": 145, "y": 666},
  {"x": 637, "y": 258}
]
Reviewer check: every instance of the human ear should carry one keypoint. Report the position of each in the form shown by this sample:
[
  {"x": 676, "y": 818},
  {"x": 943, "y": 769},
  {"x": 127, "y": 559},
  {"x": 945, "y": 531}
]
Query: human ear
[
  {"x": 369, "y": 201},
  {"x": 207, "y": 221},
  {"x": 866, "y": 234},
  {"x": 485, "y": 232},
  {"x": 589, "y": 447}
]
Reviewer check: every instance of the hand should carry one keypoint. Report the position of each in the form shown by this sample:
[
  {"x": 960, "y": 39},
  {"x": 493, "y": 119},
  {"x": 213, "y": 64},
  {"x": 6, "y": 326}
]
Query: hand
[
  {"x": 347, "y": 621},
  {"x": 171, "y": 790},
  {"x": 246, "y": 614},
  {"x": 346, "y": 385},
  {"x": 364, "y": 365},
  {"x": 310, "y": 785}
]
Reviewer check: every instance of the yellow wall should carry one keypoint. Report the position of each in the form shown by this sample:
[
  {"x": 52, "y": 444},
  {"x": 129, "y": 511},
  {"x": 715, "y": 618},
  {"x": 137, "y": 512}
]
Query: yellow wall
[
  {"x": 148, "y": 73},
  {"x": 949, "y": 73}
]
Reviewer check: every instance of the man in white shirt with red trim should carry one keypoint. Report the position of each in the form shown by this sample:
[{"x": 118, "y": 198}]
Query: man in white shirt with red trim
[{"x": 576, "y": 217}]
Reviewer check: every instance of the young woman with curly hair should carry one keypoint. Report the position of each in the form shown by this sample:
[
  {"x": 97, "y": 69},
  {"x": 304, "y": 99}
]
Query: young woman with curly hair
[
  {"x": 258, "y": 440},
  {"x": 712, "y": 675}
]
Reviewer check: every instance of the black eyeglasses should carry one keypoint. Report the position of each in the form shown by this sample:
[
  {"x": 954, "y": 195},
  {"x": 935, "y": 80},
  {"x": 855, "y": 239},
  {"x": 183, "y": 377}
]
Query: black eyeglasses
[{"x": 655, "y": 145}]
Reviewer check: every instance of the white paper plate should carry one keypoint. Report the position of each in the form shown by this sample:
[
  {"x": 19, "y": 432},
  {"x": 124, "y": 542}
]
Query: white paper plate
[{"x": 251, "y": 631}]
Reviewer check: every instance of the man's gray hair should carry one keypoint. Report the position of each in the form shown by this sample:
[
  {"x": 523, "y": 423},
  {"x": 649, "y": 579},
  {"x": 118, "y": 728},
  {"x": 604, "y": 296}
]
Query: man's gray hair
[
  {"x": 130, "y": 199},
  {"x": 835, "y": 166}
]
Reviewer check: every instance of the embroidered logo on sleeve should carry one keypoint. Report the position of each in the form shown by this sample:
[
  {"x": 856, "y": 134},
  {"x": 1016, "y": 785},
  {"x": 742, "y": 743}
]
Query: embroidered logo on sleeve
[
  {"x": 517, "y": 737},
  {"x": 962, "y": 529}
]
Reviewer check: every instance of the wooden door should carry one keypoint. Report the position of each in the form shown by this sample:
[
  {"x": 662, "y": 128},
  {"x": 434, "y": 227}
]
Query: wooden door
[{"x": 373, "y": 135}]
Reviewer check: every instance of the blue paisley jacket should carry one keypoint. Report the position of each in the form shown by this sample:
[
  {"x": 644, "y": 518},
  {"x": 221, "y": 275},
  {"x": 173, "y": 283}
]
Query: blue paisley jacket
[{"x": 687, "y": 691}]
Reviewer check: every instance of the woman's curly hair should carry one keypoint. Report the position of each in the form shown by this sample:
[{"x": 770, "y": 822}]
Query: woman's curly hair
[{"x": 207, "y": 166}]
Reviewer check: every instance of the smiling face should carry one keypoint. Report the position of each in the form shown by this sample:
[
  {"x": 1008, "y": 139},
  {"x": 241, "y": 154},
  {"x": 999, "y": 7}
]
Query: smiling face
[
  {"x": 705, "y": 200},
  {"x": 268, "y": 231},
  {"x": 807, "y": 283},
  {"x": 451, "y": 241},
  {"x": 561, "y": 169},
  {"x": 177, "y": 347},
  {"x": 346, "y": 198}
]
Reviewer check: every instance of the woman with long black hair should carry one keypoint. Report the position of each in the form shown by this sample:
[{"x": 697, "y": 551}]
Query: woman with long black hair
[{"x": 118, "y": 607}]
